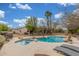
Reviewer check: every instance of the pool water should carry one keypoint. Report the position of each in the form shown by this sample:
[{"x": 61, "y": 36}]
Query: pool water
[
  {"x": 23, "y": 42},
  {"x": 51, "y": 39}
]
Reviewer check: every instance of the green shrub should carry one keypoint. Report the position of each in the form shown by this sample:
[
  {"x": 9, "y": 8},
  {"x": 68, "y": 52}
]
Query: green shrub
[{"x": 3, "y": 27}]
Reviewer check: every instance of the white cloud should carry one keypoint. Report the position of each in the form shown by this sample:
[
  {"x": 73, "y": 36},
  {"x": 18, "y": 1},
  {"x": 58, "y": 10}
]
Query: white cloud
[
  {"x": 9, "y": 25},
  {"x": 21, "y": 22},
  {"x": 41, "y": 22},
  {"x": 67, "y": 4},
  {"x": 27, "y": 17},
  {"x": 64, "y": 4},
  {"x": 6, "y": 23},
  {"x": 39, "y": 19},
  {"x": 11, "y": 6},
  {"x": 3, "y": 22},
  {"x": 2, "y": 14},
  {"x": 73, "y": 3},
  {"x": 20, "y": 6},
  {"x": 59, "y": 15},
  {"x": 24, "y": 7},
  {"x": 21, "y": 25}
]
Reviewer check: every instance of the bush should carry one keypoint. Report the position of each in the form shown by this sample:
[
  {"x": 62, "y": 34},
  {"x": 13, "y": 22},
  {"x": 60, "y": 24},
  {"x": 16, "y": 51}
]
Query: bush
[{"x": 3, "y": 27}]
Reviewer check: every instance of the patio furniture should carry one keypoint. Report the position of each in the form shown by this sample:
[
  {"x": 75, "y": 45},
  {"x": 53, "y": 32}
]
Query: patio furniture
[
  {"x": 66, "y": 51},
  {"x": 74, "y": 48}
]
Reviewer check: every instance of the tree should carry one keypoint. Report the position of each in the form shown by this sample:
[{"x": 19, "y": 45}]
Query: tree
[
  {"x": 31, "y": 24},
  {"x": 48, "y": 15},
  {"x": 54, "y": 26},
  {"x": 4, "y": 27},
  {"x": 72, "y": 24}
]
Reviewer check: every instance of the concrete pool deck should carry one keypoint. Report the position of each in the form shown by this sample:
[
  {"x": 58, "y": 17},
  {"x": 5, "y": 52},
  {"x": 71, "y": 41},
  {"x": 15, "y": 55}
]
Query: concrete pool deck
[{"x": 14, "y": 49}]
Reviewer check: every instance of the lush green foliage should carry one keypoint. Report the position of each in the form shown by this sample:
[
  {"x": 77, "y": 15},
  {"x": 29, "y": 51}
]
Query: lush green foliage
[
  {"x": 29, "y": 27},
  {"x": 31, "y": 24},
  {"x": 3, "y": 27},
  {"x": 47, "y": 26}
]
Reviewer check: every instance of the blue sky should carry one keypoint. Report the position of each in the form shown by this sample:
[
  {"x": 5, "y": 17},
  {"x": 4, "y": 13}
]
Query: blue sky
[{"x": 15, "y": 15}]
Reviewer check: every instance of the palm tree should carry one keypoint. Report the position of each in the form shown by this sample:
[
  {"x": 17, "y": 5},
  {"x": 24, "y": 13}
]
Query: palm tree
[{"x": 48, "y": 15}]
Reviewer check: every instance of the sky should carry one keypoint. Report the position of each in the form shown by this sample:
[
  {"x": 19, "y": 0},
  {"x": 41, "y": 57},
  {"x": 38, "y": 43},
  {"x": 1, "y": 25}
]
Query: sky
[{"x": 16, "y": 14}]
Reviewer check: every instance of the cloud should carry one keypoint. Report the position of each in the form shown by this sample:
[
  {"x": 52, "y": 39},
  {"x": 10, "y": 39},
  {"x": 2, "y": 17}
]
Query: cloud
[
  {"x": 63, "y": 4},
  {"x": 9, "y": 25},
  {"x": 2, "y": 14},
  {"x": 41, "y": 22},
  {"x": 20, "y": 22},
  {"x": 21, "y": 25},
  {"x": 11, "y": 6},
  {"x": 27, "y": 17},
  {"x": 73, "y": 3},
  {"x": 58, "y": 15},
  {"x": 6, "y": 23},
  {"x": 67, "y": 4},
  {"x": 24, "y": 7},
  {"x": 20, "y": 6},
  {"x": 3, "y": 22}
]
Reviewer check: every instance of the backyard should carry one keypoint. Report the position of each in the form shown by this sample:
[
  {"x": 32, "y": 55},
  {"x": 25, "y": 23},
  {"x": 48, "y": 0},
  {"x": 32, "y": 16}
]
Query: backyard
[{"x": 42, "y": 33}]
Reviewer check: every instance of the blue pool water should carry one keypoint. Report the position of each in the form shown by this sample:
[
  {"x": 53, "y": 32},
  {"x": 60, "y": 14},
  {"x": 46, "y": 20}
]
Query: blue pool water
[
  {"x": 51, "y": 39},
  {"x": 23, "y": 42}
]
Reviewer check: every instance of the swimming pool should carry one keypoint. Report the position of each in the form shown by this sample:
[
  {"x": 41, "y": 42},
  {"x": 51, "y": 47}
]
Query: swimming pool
[
  {"x": 51, "y": 39},
  {"x": 24, "y": 41}
]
